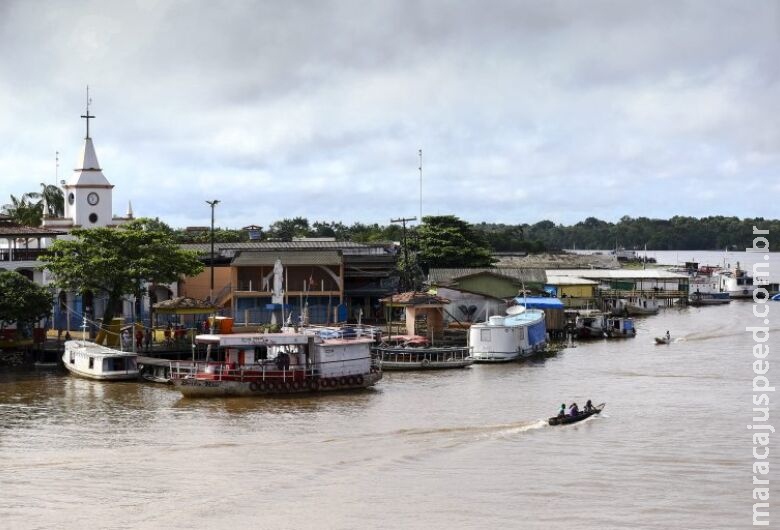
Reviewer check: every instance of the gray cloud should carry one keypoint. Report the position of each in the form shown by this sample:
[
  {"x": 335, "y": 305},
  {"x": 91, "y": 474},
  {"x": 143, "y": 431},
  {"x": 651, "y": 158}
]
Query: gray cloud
[{"x": 524, "y": 110}]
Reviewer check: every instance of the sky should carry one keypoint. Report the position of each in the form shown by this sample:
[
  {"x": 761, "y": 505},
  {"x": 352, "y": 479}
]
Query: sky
[{"x": 524, "y": 110}]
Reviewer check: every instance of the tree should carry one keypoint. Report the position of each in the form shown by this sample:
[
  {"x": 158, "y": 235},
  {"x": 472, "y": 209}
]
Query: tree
[
  {"x": 22, "y": 302},
  {"x": 447, "y": 241},
  {"x": 23, "y": 211},
  {"x": 51, "y": 196},
  {"x": 287, "y": 229},
  {"x": 118, "y": 261}
]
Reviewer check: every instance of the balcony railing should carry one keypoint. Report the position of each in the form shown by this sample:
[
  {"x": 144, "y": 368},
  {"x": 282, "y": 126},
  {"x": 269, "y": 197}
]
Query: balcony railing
[{"x": 21, "y": 254}]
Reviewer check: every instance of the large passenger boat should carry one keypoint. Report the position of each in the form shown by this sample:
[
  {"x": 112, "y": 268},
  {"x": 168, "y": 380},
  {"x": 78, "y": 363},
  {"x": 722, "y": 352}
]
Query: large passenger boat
[
  {"x": 93, "y": 361},
  {"x": 256, "y": 364},
  {"x": 506, "y": 338}
]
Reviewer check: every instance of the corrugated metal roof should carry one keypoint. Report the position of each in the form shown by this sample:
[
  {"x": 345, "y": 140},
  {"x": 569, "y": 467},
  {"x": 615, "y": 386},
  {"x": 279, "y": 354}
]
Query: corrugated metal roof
[
  {"x": 292, "y": 257},
  {"x": 568, "y": 280},
  {"x": 438, "y": 276},
  {"x": 229, "y": 250},
  {"x": 620, "y": 274}
]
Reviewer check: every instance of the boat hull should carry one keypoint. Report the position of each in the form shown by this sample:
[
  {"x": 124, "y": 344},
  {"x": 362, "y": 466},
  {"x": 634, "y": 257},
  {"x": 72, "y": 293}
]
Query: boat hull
[
  {"x": 108, "y": 376},
  {"x": 566, "y": 420},
  {"x": 422, "y": 365},
  {"x": 194, "y": 387}
]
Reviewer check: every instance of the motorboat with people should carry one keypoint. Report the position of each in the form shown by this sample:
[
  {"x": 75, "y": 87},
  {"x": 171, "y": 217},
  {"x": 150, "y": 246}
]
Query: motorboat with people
[
  {"x": 575, "y": 415},
  {"x": 260, "y": 364},
  {"x": 94, "y": 361},
  {"x": 666, "y": 339},
  {"x": 413, "y": 352},
  {"x": 521, "y": 333}
]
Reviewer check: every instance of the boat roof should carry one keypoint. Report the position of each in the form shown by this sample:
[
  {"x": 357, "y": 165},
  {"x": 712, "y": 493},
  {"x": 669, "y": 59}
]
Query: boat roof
[
  {"x": 529, "y": 316},
  {"x": 255, "y": 339},
  {"x": 98, "y": 350}
]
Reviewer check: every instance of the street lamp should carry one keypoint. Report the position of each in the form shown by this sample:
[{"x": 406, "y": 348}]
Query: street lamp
[{"x": 211, "y": 261}]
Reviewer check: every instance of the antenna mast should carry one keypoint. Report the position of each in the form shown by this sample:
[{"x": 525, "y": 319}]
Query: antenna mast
[{"x": 421, "y": 183}]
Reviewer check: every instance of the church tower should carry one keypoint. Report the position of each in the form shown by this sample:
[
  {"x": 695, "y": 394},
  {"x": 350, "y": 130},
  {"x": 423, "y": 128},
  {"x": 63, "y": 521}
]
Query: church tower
[{"x": 88, "y": 194}]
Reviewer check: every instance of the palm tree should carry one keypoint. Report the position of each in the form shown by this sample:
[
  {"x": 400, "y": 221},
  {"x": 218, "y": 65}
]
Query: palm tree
[
  {"x": 51, "y": 196},
  {"x": 23, "y": 211}
]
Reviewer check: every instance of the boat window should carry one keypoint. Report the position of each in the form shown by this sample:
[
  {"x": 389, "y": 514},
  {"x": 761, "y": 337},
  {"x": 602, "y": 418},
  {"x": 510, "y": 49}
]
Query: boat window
[
  {"x": 484, "y": 335},
  {"x": 72, "y": 358},
  {"x": 91, "y": 362}
]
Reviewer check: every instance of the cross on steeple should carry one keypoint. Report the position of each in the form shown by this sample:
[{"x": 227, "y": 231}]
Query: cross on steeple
[{"x": 87, "y": 116}]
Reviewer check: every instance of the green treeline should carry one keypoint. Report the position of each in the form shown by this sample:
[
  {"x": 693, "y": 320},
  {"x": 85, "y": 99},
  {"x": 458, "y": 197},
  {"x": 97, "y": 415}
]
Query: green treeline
[{"x": 677, "y": 233}]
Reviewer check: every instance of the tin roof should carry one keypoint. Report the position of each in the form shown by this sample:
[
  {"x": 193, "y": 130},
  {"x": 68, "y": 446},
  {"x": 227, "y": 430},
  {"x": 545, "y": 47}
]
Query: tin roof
[
  {"x": 446, "y": 276},
  {"x": 287, "y": 257},
  {"x": 619, "y": 274},
  {"x": 568, "y": 280}
]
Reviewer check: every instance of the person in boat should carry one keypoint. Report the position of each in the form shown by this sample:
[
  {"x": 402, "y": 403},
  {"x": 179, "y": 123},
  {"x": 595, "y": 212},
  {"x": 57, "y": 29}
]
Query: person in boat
[
  {"x": 668, "y": 336},
  {"x": 589, "y": 407},
  {"x": 574, "y": 410},
  {"x": 562, "y": 412}
]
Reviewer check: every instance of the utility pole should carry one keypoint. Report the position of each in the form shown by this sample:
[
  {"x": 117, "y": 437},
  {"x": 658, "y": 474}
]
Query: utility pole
[
  {"x": 403, "y": 221},
  {"x": 211, "y": 261}
]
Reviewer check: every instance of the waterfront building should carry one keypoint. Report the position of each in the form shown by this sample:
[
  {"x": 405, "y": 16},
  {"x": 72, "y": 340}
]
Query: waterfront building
[
  {"x": 574, "y": 292},
  {"x": 323, "y": 280}
]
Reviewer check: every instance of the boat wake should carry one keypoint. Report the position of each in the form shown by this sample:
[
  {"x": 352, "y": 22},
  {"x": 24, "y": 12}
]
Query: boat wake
[
  {"x": 714, "y": 334},
  {"x": 504, "y": 428}
]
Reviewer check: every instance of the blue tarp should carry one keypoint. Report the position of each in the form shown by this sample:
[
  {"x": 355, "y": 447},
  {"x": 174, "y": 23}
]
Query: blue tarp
[
  {"x": 537, "y": 333},
  {"x": 539, "y": 302}
]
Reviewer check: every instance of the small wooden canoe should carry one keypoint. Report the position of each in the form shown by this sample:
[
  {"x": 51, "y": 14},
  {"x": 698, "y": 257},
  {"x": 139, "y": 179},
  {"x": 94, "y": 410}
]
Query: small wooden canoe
[{"x": 565, "y": 420}]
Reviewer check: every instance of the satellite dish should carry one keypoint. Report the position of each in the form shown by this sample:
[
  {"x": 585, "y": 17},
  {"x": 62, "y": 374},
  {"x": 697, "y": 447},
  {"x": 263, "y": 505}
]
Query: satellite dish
[{"x": 515, "y": 310}]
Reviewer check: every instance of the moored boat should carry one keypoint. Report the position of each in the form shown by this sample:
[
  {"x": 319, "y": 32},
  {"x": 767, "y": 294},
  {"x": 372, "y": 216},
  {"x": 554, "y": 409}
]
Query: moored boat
[
  {"x": 582, "y": 415},
  {"x": 708, "y": 298},
  {"x": 258, "y": 364},
  {"x": 507, "y": 338},
  {"x": 637, "y": 306},
  {"x": 590, "y": 324},
  {"x": 93, "y": 361},
  {"x": 414, "y": 353},
  {"x": 619, "y": 327}
]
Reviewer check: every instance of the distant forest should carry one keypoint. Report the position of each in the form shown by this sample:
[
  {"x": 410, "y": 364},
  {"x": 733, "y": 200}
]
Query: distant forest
[{"x": 677, "y": 233}]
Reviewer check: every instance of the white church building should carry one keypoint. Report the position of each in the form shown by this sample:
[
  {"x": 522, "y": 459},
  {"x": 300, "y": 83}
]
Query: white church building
[{"x": 88, "y": 204}]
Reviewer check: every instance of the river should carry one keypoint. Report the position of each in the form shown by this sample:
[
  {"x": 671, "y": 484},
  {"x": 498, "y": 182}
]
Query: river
[{"x": 455, "y": 449}]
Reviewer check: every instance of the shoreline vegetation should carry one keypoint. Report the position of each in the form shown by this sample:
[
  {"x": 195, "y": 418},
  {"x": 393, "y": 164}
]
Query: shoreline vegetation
[{"x": 677, "y": 233}]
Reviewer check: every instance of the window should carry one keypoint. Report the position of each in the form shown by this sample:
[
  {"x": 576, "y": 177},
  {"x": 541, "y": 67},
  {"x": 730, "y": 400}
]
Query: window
[
  {"x": 72, "y": 358},
  {"x": 484, "y": 335},
  {"x": 71, "y": 198},
  {"x": 93, "y": 218},
  {"x": 91, "y": 363}
]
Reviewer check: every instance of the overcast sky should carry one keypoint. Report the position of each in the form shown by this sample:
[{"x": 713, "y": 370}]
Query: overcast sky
[{"x": 524, "y": 110}]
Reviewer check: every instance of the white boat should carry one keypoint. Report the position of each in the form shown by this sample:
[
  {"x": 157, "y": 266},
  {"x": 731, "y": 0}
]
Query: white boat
[
  {"x": 506, "y": 338},
  {"x": 736, "y": 282},
  {"x": 93, "y": 361},
  {"x": 258, "y": 364},
  {"x": 638, "y": 305}
]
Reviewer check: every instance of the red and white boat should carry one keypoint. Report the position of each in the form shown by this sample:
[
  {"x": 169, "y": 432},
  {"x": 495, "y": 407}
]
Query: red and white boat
[{"x": 257, "y": 364}]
